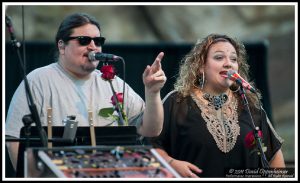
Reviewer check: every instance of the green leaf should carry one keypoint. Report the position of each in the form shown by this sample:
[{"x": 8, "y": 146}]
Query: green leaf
[{"x": 106, "y": 112}]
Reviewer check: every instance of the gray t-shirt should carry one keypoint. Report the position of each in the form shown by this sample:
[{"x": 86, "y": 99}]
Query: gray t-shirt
[{"x": 52, "y": 87}]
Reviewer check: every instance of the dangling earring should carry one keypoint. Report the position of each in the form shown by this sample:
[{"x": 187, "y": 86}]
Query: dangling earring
[{"x": 202, "y": 81}]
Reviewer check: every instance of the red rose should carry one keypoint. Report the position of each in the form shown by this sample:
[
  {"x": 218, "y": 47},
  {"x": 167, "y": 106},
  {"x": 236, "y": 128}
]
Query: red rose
[
  {"x": 108, "y": 72},
  {"x": 119, "y": 98},
  {"x": 250, "y": 139}
]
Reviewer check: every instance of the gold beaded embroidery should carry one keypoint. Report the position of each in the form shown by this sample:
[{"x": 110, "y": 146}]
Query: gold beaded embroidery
[{"x": 222, "y": 125}]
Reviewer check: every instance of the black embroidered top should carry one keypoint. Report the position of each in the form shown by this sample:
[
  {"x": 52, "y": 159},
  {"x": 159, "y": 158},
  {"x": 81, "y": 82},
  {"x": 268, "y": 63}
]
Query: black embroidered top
[{"x": 185, "y": 137}]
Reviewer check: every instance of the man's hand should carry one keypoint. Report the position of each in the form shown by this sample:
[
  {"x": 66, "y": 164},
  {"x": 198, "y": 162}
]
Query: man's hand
[{"x": 154, "y": 77}]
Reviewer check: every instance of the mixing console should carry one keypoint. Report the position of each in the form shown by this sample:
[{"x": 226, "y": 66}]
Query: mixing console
[{"x": 109, "y": 162}]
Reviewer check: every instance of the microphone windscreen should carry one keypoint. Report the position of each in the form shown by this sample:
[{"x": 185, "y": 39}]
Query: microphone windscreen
[
  {"x": 92, "y": 56},
  {"x": 230, "y": 73}
]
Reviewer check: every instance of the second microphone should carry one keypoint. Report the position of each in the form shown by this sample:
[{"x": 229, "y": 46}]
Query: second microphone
[{"x": 102, "y": 57}]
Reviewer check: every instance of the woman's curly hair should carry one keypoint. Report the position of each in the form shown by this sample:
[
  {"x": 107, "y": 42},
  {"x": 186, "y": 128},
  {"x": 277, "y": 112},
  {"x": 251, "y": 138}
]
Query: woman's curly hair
[{"x": 189, "y": 71}]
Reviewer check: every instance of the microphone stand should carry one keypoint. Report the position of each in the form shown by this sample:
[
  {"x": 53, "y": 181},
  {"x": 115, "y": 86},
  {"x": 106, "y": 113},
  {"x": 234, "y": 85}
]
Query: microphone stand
[
  {"x": 123, "y": 62},
  {"x": 119, "y": 109},
  {"x": 258, "y": 143},
  {"x": 33, "y": 117}
]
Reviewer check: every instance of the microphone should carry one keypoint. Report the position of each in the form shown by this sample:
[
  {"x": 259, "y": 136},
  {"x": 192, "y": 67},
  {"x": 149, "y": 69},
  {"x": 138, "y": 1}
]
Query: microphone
[
  {"x": 234, "y": 76},
  {"x": 11, "y": 30},
  {"x": 70, "y": 128},
  {"x": 102, "y": 57}
]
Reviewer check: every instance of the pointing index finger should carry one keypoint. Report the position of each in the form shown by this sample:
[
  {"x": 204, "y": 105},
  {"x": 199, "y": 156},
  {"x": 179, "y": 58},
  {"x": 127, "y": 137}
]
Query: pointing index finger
[{"x": 158, "y": 60}]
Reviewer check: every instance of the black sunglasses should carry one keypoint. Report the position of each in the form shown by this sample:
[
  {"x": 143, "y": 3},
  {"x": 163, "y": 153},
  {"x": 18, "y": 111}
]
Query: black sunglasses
[{"x": 85, "y": 40}]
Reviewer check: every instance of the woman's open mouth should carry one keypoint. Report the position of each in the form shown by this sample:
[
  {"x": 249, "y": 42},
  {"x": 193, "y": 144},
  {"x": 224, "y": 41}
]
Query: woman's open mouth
[{"x": 223, "y": 74}]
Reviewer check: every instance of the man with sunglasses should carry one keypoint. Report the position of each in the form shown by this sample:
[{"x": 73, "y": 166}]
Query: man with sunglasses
[{"x": 73, "y": 86}]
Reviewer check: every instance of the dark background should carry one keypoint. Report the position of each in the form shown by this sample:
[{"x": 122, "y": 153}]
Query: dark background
[{"x": 136, "y": 57}]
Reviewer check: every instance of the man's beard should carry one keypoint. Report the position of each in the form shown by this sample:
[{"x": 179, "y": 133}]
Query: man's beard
[{"x": 88, "y": 68}]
